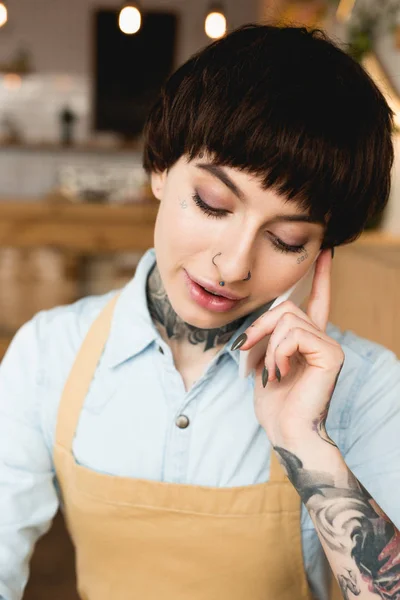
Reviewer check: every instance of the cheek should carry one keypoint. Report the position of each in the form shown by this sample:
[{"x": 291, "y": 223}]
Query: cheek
[
  {"x": 282, "y": 273},
  {"x": 180, "y": 225}
]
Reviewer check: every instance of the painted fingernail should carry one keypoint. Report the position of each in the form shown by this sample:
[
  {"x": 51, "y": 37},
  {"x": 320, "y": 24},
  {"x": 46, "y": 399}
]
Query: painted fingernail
[
  {"x": 333, "y": 252},
  {"x": 242, "y": 339},
  {"x": 278, "y": 374},
  {"x": 264, "y": 376}
]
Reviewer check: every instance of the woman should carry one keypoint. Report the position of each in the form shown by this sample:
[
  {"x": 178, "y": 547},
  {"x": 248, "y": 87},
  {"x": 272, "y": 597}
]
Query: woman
[{"x": 179, "y": 479}]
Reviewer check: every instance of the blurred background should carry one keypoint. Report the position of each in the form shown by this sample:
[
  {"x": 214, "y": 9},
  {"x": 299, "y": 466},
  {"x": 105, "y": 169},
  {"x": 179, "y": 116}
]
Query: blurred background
[{"x": 77, "y": 78}]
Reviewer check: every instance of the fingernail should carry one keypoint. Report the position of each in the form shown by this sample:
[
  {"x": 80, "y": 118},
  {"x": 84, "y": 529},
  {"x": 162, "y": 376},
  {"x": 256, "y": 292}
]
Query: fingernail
[
  {"x": 333, "y": 252},
  {"x": 242, "y": 339},
  {"x": 264, "y": 377},
  {"x": 278, "y": 374}
]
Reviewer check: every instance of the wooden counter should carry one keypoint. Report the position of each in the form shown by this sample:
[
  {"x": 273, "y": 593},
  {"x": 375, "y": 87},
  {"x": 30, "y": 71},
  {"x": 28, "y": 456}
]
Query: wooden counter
[
  {"x": 365, "y": 279},
  {"x": 80, "y": 231},
  {"x": 83, "y": 228}
]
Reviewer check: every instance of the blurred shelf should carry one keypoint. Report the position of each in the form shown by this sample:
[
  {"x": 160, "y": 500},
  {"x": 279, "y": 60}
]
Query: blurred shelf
[{"x": 87, "y": 148}]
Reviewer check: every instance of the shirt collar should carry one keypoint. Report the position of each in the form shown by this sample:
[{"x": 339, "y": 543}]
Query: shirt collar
[{"x": 132, "y": 328}]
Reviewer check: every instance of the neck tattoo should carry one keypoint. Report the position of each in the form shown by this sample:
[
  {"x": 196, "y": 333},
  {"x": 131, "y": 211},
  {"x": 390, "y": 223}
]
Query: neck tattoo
[{"x": 164, "y": 315}]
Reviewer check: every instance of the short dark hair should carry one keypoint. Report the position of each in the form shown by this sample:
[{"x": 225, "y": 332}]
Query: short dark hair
[{"x": 289, "y": 106}]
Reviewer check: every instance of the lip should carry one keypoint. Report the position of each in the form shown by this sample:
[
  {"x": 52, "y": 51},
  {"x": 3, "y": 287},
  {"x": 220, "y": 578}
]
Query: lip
[
  {"x": 217, "y": 289},
  {"x": 216, "y": 304}
]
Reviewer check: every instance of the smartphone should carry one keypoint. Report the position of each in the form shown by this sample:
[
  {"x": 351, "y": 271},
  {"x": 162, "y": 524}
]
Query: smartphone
[{"x": 249, "y": 359}]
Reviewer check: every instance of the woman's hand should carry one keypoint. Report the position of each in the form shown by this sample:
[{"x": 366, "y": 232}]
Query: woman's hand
[
  {"x": 303, "y": 364},
  {"x": 293, "y": 412}
]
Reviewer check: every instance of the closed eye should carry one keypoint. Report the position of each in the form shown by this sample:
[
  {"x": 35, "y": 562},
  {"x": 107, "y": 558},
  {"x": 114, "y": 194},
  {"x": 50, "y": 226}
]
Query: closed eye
[
  {"x": 283, "y": 247},
  {"x": 208, "y": 210},
  {"x": 218, "y": 213}
]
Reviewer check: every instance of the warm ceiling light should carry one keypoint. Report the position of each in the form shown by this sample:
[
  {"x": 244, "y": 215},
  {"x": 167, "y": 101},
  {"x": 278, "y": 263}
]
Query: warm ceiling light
[
  {"x": 130, "y": 19},
  {"x": 344, "y": 10},
  {"x": 3, "y": 14},
  {"x": 215, "y": 23},
  {"x": 12, "y": 81}
]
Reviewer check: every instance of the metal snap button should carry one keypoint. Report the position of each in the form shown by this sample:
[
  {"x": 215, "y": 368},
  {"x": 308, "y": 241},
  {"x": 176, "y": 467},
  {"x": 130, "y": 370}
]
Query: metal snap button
[{"x": 182, "y": 421}]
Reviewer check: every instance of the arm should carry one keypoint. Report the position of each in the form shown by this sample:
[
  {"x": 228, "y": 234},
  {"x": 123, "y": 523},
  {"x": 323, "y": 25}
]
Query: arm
[
  {"x": 28, "y": 500},
  {"x": 360, "y": 541},
  {"x": 301, "y": 367}
]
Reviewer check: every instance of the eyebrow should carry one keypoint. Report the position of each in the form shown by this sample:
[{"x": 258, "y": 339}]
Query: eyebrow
[
  {"x": 222, "y": 176},
  {"x": 218, "y": 172}
]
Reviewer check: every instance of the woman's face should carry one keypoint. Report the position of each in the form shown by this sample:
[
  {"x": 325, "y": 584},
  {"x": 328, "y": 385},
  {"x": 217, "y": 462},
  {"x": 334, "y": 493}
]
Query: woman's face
[{"x": 253, "y": 230}]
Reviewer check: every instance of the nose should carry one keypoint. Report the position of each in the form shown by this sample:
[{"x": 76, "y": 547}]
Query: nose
[{"x": 235, "y": 260}]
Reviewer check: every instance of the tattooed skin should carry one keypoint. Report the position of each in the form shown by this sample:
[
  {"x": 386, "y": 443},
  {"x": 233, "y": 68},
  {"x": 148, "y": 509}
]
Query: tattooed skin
[
  {"x": 162, "y": 313},
  {"x": 350, "y": 523},
  {"x": 348, "y": 583},
  {"x": 303, "y": 257},
  {"x": 319, "y": 424}
]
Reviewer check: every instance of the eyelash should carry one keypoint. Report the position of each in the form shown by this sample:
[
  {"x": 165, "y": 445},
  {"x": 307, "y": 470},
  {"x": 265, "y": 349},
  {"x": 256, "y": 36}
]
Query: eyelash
[{"x": 218, "y": 213}]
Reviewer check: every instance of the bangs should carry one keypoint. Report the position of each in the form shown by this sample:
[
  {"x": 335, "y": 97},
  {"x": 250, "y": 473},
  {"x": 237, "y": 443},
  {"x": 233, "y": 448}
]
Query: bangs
[{"x": 289, "y": 107}]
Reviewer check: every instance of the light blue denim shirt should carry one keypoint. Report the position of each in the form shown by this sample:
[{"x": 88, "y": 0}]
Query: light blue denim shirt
[{"x": 127, "y": 426}]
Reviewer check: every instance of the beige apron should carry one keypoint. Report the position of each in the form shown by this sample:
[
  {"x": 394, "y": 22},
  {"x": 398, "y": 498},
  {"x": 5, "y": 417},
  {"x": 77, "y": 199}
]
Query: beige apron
[{"x": 149, "y": 540}]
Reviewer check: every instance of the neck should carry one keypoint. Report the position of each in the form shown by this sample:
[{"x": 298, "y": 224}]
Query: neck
[{"x": 173, "y": 328}]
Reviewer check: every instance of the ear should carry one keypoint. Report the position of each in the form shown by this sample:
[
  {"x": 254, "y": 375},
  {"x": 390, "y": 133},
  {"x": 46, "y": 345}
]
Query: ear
[{"x": 157, "y": 181}]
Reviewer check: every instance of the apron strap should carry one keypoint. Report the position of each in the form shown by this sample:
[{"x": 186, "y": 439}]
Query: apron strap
[
  {"x": 276, "y": 472},
  {"x": 81, "y": 375}
]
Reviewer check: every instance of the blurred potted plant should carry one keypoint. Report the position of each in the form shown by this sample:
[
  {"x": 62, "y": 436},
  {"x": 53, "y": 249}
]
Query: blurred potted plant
[{"x": 369, "y": 18}]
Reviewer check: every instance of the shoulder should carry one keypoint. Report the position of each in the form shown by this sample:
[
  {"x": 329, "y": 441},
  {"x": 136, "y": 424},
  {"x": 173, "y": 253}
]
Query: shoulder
[
  {"x": 359, "y": 349},
  {"x": 51, "y": 339},
  {"x": 364, "y": 418},
  {"x": 61, "y": 330},
  {"x": 38, "y": 360},
  {"x": 70, "y": 321},
  {"x": 369, "y": 384}
]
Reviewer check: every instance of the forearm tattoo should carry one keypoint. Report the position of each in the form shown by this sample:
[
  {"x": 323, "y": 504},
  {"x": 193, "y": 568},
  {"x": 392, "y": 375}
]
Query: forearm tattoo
[
  {"x": 319, "y": 425},
  {"x": 162, "y": 313},
  {"x": 352, "y": 525}
]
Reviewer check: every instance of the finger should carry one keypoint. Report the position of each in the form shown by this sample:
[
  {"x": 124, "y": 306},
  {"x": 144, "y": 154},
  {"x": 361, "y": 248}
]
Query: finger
[
  {"x": 317, "y": 352},
  {"x": 287, "y": 322},
  {"x": 319, "y": 302},
  {"x": 266, "y": 324}
]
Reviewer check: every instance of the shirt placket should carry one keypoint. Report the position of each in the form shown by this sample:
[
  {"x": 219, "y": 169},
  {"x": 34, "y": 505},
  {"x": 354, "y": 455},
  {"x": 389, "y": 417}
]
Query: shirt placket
[{"x": 182, "y": 407}]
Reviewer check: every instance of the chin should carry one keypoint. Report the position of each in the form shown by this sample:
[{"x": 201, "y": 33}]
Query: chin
[
  {"x": 201, "y": 319},
  {"x": 192, "y": 315}
]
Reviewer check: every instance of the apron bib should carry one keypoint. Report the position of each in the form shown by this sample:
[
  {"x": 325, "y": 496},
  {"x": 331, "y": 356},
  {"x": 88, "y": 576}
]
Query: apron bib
[{"x": 149, "y": 540}]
